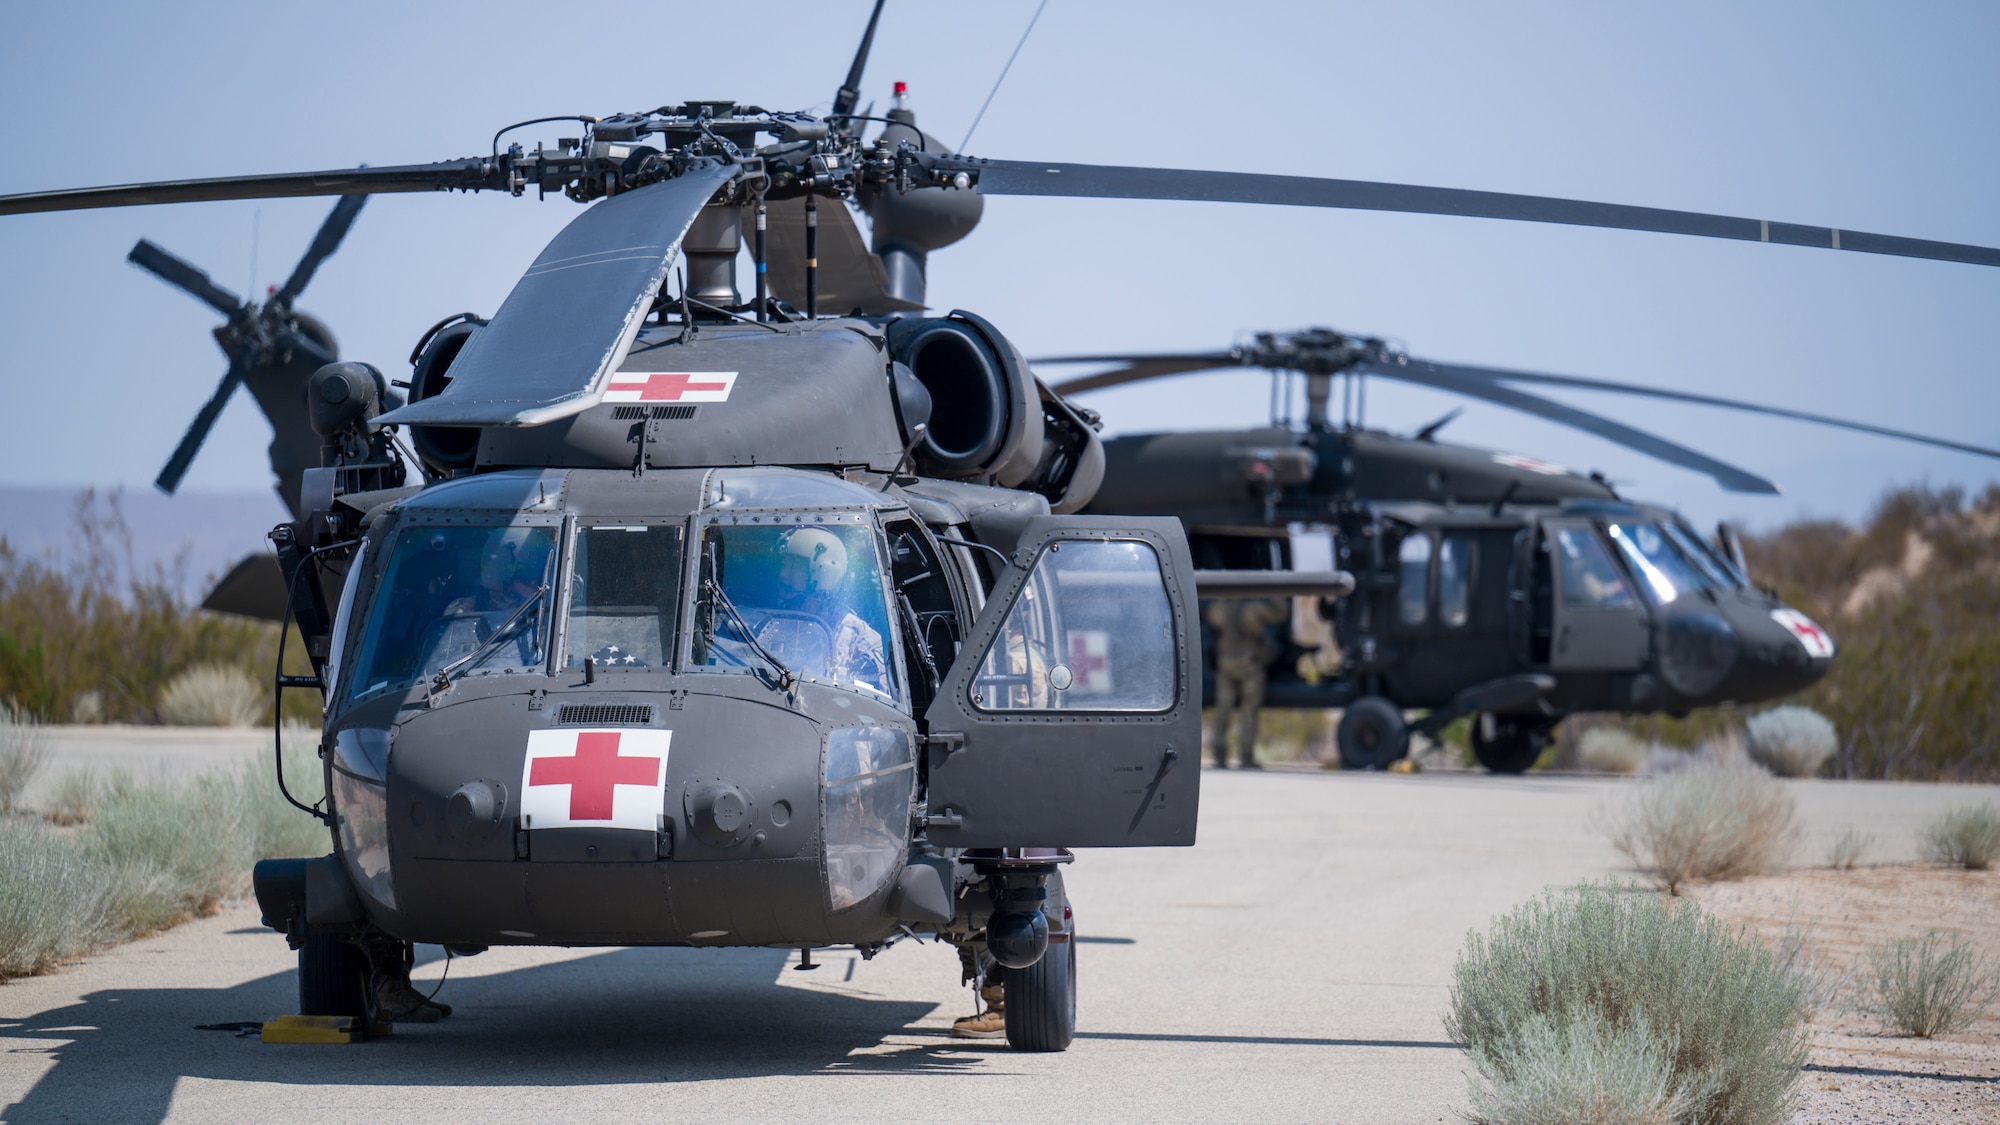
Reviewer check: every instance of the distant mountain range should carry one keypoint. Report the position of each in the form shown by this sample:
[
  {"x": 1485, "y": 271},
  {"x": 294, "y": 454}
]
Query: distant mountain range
[{"x": 196, "y": 535}]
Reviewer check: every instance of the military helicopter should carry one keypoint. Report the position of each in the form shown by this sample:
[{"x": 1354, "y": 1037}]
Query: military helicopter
[
  {"x": 728, "y": 623},
  {"x": 1491, "y": 584}
]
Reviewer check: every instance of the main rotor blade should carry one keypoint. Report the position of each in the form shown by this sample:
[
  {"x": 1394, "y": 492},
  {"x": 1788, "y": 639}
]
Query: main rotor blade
[
  {"x": 1725, "y": 403},
  {"x": 1097, "y": 181},
  {"x": 1476, "y": 385},
  {"x": 849, "y": 94},
  {"x": 177, "y": 465},
  {"x": 1137, "y": 368},
  {"x": 323, "y": 245},
  {"x": 172, "y": 270},
  {"x": 469, "y": 174}
]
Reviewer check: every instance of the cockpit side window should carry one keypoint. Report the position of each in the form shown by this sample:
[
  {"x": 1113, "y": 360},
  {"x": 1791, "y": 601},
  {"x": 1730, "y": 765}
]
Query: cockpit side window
[
  {"x": 807, "y": 597},
  {"x": 926, "y": 610},
  {"x": 1413, "y": 587},
  {"x": 1455, "y": 554},
  {"x": 457, "y": 591},
  {"x": 624, "y": 590},
  {"x": 1590, "y": 579},
  {"x": 1091, "y": 630}
]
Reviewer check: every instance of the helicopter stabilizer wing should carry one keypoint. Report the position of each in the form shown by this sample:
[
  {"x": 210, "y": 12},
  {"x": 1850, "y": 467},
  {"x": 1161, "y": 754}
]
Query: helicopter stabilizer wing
[{"x": 570, "y": 320}]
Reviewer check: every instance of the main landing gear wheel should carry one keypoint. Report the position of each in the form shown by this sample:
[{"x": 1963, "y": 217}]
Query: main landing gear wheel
[
  {"x": 1507, "y": 745},
  {"x": 333, "y": 978},
  {"x": 1041, "y": 999},
  {"x": 1371, "y": 734}
]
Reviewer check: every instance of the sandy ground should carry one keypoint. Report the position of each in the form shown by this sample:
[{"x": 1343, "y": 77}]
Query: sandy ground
[
  {"x": 1860, "y": 1070},
  {"x": 1293, "y": 966}
]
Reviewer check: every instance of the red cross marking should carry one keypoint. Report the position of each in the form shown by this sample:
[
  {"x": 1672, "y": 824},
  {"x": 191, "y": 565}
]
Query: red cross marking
[
  {"x": 1804, "y": 628},
  {"x": 1081, "y": 661},
  {"x": 594, "y": 774},
  {"x": 663, "y": 386}
]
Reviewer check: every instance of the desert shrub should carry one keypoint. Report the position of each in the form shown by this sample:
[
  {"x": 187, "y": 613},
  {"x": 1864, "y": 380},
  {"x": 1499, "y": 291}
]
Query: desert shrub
[
  {"x": 22, "y": 754},
  {"x": 276, "y": 830},
  {"x": 1583, "y": 1071},
  {"x": 1707, "y": 822},
  {"x": 1928, "y": 985},
  {"x": 1847, "y": 848},
  {"x": 53, "y": 899},
  {"x": 73, "y": 797},
  {"x": 190, "y": 829},
  {"x": 93, "y": 636},
  {"x": 1610, "y": 750},
  {"x": 1790, "y": 741},
  {"x": 1915, "y": 688},
  {"x": 1967, "y": 837},
  {"x": 1598, "y": 970},
  {"x": 212, "y": 695}
]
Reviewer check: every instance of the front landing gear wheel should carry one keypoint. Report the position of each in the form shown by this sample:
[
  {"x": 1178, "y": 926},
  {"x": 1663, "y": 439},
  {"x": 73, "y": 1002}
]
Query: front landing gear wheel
[
  {"x": 1507, "y": 746},
  {"x": 1371, "y": 734},
  {"x": 333, "y": 978},
  {"x": 1041, "y": 1000}
]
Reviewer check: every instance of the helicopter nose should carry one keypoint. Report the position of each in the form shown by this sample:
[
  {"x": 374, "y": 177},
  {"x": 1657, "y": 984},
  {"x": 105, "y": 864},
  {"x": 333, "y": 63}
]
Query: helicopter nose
[{"x": 1789, "y": 651}]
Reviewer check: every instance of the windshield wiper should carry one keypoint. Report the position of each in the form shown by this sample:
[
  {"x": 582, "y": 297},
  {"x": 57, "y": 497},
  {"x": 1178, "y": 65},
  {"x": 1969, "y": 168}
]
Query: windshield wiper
[
  {"x": 494, "y": 640},
  {"x": 721, "y": 600}
]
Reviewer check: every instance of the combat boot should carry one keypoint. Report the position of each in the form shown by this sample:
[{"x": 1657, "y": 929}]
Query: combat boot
[
  {"x": 989, "y": 1024},
  {"x": 397, "y": 1001}
]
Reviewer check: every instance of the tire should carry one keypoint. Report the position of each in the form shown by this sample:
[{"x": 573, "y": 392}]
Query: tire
[
  {"x": 1371, "y": 734},
  {"x": 1507, "y": 746},
  {"x": 333, "y": 978},
  {"x": 1041, "y": 1000}
]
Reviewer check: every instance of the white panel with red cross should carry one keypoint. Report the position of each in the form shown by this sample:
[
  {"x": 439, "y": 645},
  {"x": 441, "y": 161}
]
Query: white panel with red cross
[
  {"x": 1816, "y": 640},
  {"x": 584, "y": 778},
  {"x": 669, "y": 386}
]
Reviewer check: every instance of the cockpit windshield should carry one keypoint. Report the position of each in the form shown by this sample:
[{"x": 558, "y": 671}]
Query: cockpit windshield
[
  {"x": 1708, "y": 557},
  {"x": 445, "y": 594},
  {"x": 805, "y": 597},
  {"x": 1664, "y": 570}
]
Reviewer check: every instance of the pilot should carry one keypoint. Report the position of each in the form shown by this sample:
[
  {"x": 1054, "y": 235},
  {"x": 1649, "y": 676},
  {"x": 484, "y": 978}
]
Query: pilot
[
  {"x": 512, "y": 565},
  {"x": 812, "y": 574},
  {"x": 1243, "y": 653}
]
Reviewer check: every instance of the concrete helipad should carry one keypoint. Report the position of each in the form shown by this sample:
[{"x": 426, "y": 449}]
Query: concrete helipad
[{"x": 1291, "y": 967}]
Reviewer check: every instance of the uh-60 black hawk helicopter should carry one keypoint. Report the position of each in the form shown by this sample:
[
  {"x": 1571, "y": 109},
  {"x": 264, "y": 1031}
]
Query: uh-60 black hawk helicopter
[
  {"x": 725, "y": 623},
  {"x": 1490, "y": 584}
]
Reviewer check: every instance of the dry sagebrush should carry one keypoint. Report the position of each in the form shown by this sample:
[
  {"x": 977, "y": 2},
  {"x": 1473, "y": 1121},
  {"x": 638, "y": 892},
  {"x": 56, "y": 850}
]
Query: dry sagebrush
[
  {"x": 1609, "y": 1003},
  {"x": 1707, "y": 821},
  {"x": 1926, "y": 986},
  {"x": 1791, "y": 741},
  {"x": 1967, "y": 837},
  {"x": 22, "y": 754}
]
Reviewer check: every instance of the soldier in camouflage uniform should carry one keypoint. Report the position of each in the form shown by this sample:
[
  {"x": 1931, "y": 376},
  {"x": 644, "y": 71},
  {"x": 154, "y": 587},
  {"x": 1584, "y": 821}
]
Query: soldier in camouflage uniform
[{"x": 1243, "y": 652}]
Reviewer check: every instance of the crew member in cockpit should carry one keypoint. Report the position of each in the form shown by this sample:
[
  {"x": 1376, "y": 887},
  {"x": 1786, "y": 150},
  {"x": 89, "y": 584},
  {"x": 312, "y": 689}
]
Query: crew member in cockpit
[{"x": 812, "y": 575}]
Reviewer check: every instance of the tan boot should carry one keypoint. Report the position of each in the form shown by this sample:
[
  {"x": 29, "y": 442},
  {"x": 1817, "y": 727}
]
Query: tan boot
[
  {"x": 398, "y": 1002},
  {"x": 989, "y": 1024}
]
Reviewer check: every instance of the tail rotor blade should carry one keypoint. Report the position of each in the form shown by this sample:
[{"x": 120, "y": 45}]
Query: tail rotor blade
[
  {"x": 323, "y": 245},
  {"x": 175, "y": 272},
  {"x": 177, "y": 465}
]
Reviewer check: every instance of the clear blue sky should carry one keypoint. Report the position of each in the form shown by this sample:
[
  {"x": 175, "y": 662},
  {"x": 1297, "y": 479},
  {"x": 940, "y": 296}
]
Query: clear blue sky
[{"x": 1866, "y": 117}]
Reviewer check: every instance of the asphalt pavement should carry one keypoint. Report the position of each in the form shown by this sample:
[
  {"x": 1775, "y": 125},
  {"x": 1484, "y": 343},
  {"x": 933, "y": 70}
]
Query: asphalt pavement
[{"x": 1293, "y": 966}]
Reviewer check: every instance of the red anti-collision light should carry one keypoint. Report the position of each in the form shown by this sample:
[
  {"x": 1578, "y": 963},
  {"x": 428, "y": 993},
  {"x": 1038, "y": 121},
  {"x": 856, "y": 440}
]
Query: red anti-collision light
[{"x": 902, "y": 88}]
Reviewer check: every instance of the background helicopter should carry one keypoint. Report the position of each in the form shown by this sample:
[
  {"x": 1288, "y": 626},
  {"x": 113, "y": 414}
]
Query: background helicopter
[{"x": 1471, "y": 565}]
